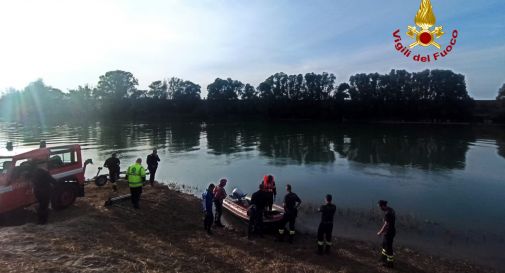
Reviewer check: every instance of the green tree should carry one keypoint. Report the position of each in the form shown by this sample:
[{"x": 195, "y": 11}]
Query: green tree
[
  {"x": 296, "y": 87},
  {"x": 181, "y": 90},
  {"x": 82, "y": 93},
  {"x": 248, "y": 92},
  {"x": 342, "y": 92},
  {"x": 224, "y": 89},
  {"x": 116, "y": 84},
  {"x": 274, "y": 87},
  {"x": 158, "y": 90},
  {"x": 501, "y": 93}
]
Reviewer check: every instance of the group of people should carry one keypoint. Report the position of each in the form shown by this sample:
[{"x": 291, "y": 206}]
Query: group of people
[
  {"x": 135, "y": 174},
  {"x": 261, "y": 204},
  {"x": 214, "y": 195}
]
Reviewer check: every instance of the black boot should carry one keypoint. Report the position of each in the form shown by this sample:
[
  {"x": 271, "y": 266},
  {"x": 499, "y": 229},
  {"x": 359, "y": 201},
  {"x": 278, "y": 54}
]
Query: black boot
[
  {"x": 320, "y": 249},
  {"x": 280, "y": 237},
  {"x": 291, "y": 238},
  {"x": 327, "y": 249}
]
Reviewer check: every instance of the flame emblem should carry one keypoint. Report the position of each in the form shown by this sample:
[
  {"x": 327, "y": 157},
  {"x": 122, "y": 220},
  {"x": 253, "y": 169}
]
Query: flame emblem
[{"x": 425, "y": 19}]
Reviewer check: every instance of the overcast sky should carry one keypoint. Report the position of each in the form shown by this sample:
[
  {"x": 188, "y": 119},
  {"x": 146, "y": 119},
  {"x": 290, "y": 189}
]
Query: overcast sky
[{"x": 72, "y": 42}]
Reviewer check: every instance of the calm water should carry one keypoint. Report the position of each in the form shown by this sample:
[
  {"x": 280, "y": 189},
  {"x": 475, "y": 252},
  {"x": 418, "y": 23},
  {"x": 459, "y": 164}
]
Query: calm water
[{"x": 447, "y": 178}]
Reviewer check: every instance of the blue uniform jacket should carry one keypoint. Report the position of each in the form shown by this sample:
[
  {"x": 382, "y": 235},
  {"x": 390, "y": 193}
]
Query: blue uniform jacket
[{"x": 207, "y": 198}]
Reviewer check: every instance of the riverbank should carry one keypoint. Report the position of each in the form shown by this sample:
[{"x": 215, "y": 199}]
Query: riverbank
[{"x": 166, "y": 236}]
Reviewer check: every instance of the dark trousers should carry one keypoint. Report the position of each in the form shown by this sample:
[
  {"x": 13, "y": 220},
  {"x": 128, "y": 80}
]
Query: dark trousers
[
  {"x": 113, "y": 175},
  {"x": 207, "y": 221},
  {"x": 324, "y": 232},
  {"x": 43, "y": 196},
  {"x": 289, "y": 217},
  {"x": 387, "y": 248},
  {"x": 256, "y": 222},
  {"x": 269, "y": 200},
  {"x": 136, "y": 193},
  {"x": 152, "y": 173},
  {"x": 219, "y": 211}
]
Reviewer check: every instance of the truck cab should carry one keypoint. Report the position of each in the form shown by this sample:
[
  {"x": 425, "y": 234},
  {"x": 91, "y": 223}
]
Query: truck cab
[{"x": 63, "y": 162}]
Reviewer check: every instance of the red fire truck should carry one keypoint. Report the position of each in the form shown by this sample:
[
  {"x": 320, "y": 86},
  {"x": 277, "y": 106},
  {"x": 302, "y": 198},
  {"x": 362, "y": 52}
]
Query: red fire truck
[{"x": 65, "y": 165}]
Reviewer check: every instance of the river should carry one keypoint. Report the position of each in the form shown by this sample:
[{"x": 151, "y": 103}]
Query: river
[{"x": 446, "y": 182}]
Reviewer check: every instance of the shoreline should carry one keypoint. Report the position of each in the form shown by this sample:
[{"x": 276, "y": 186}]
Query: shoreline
[{"x": 166, "y": 235}]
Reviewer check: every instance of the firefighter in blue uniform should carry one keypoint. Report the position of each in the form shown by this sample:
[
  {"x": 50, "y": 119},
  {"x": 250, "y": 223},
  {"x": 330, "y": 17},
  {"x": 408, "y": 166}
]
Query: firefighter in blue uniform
[
  {"x": 326, "y": 226},
  {"x": 291, "y": 204},
  {"x": 388, "y": 231}
]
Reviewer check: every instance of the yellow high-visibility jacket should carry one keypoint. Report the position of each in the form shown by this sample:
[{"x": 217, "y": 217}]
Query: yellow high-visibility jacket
[{"x": 136, "y": 175}]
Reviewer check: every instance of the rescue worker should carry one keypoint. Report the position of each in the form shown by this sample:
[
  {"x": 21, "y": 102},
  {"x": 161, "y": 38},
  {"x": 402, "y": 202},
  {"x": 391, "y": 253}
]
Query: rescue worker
[
  {"x": 291, "y": 204},
  {"x": 326, "y": 226},
  {"x": 207, "y": 200},
  {"x": 152, "y": 165},
  {"x": 43, "y": 186},
  {"x": 219, "y": 196},
  {"x": 112, "y": 163},
  {"x": 388, "y": 231},
  {"x": 136, "y": 176},
  {"x": 270, "y": 189},
  {"x": 256, "y": 210}
]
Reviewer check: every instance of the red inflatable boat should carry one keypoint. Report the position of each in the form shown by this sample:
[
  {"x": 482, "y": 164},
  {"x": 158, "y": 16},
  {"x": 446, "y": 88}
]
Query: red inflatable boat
[{"x": 239, "y": 206}]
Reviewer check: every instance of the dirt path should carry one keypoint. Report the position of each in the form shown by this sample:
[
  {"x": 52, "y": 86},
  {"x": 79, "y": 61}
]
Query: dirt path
[{"x": 166, "y": 235}]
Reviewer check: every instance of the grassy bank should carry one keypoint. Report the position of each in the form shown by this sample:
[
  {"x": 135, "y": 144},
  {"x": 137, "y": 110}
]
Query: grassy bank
[{"x": 166, "y": 235}]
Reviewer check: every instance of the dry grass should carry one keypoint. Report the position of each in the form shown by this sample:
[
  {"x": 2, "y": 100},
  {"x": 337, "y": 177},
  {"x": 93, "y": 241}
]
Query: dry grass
[{"x": 166, "y": 235}]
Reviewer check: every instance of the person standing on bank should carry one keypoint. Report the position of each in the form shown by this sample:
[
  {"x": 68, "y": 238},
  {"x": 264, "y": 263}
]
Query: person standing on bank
[
  {"x": 152, "y": 165},
  {"x": 270, "y": 189},
  {"x": 43, "y": 185},
  {"x": 388, "y": 231},
  {"x": 207, "y": 200},
  {"x": 256, "y": 210},
  {"x": 326, "y": 226},
  {"x": 112, "y": 163},
  {"x": 291, "y": 204},
  {"x": 136, "y": 176},
  {"x": 219, "y": 196}
]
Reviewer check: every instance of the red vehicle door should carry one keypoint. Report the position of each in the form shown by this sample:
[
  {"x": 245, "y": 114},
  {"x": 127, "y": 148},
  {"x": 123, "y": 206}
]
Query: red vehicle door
[{"x": 15, "y": 192}]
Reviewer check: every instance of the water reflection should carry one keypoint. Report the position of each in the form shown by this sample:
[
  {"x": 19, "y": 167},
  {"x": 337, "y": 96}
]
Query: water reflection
[
  {"x": 184, "y": 137},
  {"x": 282, "y": 143},
  {"x": 292, "y": 144},
  {"x": 425, "y": 148}
]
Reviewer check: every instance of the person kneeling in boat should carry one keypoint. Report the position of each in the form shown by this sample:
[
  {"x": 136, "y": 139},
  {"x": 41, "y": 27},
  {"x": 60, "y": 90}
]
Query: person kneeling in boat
[
  {"x": 207, "y": 200},
  {"x": 326, "y": 226},
  {"x": 270, "y": 190},
  {"x": 256, "y": 210},
  {"x": 291, "y": 204}
]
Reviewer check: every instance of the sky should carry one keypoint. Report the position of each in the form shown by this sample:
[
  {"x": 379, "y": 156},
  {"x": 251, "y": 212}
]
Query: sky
[{"x": 72, "y": 42}]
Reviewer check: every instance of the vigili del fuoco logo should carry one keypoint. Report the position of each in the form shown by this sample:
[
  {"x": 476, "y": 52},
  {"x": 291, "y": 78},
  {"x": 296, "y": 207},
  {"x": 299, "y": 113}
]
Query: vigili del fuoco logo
[{"x": 425, "y": 34}]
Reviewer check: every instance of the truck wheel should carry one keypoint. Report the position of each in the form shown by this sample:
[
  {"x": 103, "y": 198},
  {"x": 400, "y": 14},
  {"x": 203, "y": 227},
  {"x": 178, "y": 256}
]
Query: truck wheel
[
  {"x": 101, "y": 180},
  {"x": 64, "y": 196}
]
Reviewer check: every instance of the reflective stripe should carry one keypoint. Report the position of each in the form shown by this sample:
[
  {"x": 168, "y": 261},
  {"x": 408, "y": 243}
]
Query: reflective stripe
[
  {"x": 68, "y": 173},
  {"x": 291, "y": 232},
  {"x": 5, "y": 189},
  {"x": 281, "y": 231},
  {"x": 384, "y": 252},
  {"x": 135, "y": 184},
  {"x": 391, "y": 258},
  {"x": 328, "y": 243},
  {"x": 320, "y": 243}
]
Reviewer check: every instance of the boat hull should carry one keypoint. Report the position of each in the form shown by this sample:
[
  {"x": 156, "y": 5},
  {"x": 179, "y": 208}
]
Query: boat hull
[{"x": 239, "y": 209}]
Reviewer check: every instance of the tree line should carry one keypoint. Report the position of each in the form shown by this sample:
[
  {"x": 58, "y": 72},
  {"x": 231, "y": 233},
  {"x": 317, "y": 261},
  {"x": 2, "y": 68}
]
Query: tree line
[{"x": 431, "y": 95}]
